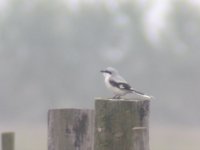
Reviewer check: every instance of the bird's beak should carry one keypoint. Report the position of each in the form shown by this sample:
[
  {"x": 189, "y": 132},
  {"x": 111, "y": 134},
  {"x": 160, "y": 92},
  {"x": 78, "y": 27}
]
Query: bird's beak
[{"x": 102, "y": 71}]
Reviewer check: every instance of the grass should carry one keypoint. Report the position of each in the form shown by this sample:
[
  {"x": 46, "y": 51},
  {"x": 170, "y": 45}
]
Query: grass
[{"x": 34, "y": 137}]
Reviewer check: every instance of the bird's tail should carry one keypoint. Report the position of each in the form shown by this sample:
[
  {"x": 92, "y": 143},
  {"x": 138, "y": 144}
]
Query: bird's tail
[
  {"x": 142, "y": 94},
  {"x": 137, "y": 92}
]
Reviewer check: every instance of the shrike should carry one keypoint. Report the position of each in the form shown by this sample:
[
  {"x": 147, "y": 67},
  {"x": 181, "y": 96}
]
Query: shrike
[{"x": 118, "y": 85}]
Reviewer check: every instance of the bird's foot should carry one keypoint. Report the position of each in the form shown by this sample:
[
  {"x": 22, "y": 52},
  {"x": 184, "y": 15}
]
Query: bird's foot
[{"x": 116, "y": 97}]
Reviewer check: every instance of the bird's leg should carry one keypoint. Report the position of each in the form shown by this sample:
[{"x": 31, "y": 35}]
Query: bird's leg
[{"x": 116, "y": 97}]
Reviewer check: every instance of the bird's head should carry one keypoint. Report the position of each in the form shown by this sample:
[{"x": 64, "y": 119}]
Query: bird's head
[{"x": 109, "y": 71}]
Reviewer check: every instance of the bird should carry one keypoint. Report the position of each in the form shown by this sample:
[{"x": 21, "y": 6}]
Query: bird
[{"x": 117, "y": 84}]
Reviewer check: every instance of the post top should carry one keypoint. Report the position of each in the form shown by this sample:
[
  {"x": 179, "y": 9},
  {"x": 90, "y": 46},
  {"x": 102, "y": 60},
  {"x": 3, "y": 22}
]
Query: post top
[
  {"x": 70, "y": 109},
  {"x": 121, "y": 99},
  {"x": 8, "y": 133}
]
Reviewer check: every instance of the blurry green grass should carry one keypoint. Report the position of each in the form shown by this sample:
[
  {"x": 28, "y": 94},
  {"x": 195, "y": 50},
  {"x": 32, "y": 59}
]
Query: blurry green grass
[
  {"x": 34, "y": 137},
  {"x": 174, "y": 138}
]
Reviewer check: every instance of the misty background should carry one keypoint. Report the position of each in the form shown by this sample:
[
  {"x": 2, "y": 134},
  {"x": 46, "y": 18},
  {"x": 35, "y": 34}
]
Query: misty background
[{"x": 51, "y": 53}]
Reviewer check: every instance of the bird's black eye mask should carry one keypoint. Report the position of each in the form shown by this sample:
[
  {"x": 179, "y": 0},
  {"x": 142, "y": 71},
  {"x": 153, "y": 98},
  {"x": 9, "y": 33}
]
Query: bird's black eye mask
[{"x": 106, "y": 71}]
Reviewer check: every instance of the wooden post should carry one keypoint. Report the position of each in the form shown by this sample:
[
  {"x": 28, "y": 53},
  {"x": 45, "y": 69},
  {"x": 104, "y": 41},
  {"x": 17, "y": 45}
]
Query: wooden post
[
  {"x": 8, "y": 141},
  {"x": 121, "y": 124},
  {"x": 70, "y": 129}
]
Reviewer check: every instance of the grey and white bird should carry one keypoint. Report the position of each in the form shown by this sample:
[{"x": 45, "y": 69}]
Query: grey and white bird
[{"x": 117, "y": 84}]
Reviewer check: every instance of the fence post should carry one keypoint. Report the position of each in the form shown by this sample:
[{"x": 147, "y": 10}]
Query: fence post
[
  {"x": 7, "y": 139},
  {"x": 70, "y": 129},
  {"x": 121, "y": 124}
]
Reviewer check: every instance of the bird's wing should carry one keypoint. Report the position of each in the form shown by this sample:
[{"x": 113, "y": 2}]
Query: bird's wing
[{"x": 120, "y": 85}]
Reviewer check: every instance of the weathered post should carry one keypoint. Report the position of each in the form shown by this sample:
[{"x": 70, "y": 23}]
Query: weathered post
[
  {"x": 70, "y": 129},
  {"x": 121, "y": 124},
  {"x": 7, "y": 139}
]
